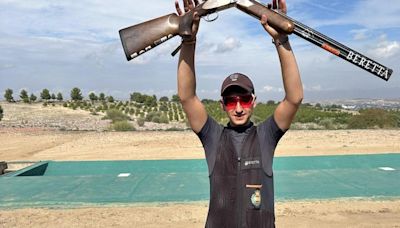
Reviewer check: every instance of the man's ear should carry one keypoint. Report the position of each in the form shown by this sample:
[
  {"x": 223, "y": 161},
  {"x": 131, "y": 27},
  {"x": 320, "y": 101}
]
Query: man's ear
[
  {"x": 221, "y": 103},
  {"x": 254, "y": 102}
]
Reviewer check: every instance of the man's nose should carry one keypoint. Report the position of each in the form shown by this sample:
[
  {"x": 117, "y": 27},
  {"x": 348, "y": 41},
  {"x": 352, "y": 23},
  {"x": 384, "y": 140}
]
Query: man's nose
[{"x": 239, "y": 108}]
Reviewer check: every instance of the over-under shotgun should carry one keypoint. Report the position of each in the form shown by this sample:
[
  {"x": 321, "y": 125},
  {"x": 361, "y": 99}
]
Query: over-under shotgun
[{"x": 142, "y": 37}]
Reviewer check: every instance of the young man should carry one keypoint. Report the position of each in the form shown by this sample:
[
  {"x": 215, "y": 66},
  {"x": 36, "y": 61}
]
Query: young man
[{"x": 239, "y": 156}]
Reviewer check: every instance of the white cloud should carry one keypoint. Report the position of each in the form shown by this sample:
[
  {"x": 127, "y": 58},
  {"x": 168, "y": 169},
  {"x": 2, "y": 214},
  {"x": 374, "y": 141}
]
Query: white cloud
[
  {"x": 359, "y": 34},
  {"x": 385, "y": 48},
  {"x": 6, "y": 66},
  {"x": 228, "y": 45},
  {"x": 312, "y": 88},
  {"x": 268, "y": 88}
]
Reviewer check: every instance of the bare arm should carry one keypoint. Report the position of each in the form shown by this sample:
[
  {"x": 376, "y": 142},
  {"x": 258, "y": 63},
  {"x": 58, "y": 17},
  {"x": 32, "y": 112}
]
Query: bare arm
[
  {"x": 194, "y": 109},
  {"x": 286, "y": 110}
]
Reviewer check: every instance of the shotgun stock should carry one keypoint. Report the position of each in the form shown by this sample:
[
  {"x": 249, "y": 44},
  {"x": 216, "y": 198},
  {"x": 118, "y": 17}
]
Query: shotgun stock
[
  {"x": 138, "y": 39},
  {"x": 142, "y": 37}
]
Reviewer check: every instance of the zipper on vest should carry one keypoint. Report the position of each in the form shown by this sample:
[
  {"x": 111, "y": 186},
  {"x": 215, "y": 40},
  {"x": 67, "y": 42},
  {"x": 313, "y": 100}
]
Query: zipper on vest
[{"x": 239, "y": 195}]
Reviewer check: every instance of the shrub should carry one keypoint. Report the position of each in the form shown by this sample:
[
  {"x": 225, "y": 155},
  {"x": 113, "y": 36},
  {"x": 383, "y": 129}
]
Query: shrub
[
  {"x": 373, "y": 118},
  {"x": 115, "y": 116},
  {"x": 140, "y": 122},
  {"x": 164, "y": 119},
  {"x": 156, "y": 119},
  {"x": 123, "y": 125},
  {"x": 150, "y": 116},
  {"x": 164, "y": 107},
  {"x": 328, "y": 123}
]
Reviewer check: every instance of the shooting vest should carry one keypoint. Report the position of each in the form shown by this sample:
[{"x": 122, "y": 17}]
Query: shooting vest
[{"x": 241, "y": 192}]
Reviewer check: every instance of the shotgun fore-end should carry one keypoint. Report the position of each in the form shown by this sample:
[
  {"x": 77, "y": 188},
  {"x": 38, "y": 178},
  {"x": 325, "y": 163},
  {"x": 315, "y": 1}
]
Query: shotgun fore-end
[{"x": 275, "y": 20}]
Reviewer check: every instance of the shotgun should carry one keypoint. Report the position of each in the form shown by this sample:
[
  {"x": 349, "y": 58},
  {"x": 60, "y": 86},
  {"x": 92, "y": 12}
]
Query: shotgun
[{"x": 142, "y": 37}]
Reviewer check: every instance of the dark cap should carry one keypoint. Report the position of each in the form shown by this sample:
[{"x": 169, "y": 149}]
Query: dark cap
[{"x": 237, "y": 79}]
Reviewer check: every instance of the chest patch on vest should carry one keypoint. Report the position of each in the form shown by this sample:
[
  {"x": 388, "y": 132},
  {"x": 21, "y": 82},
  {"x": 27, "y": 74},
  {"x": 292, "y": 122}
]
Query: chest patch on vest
[
  {"x": 256, "y": 199},
  {"x": 251, "y": 163}
]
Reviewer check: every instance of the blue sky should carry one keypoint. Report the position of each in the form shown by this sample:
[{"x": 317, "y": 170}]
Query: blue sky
[{"x": 59, "y": 45}]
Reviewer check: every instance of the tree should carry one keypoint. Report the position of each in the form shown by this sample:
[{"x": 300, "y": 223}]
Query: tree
[
  {"x": 150, "y": 101},
  {"x": 175, "y": 98},
  {"x": 270, "y": 102},
  {"x": 93, "y": 97},
  {"x": 102, "y": 97},
  {"x": 164, "y": 98},
  {"x": 138, "y": 97},
  {"x": 8, "y": 95},
  {"x": 53, "y": 96},
  {"x": 45, "y": 94},
  {"x": 59, "y": 96},
  {"x": 1, "y": 113},
  {"x": 24, "y": 96},
  {"x": 32, "y": 98},
  {"x": 76, "y": 94},
  {"x": 110, "y": 99}
]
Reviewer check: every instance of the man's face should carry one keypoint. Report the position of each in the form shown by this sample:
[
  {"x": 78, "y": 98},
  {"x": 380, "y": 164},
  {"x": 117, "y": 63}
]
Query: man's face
[{"x": 239, "y": 107}]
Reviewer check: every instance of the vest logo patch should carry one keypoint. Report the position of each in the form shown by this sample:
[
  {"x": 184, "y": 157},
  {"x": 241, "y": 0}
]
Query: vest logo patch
[
  {"x": 255, "y": 162},
  {"x": 250, "y": 163}
]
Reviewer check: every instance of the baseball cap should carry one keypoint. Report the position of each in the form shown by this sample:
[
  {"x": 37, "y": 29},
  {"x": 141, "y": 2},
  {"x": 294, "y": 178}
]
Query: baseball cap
[{"x": 237, "y": 79}]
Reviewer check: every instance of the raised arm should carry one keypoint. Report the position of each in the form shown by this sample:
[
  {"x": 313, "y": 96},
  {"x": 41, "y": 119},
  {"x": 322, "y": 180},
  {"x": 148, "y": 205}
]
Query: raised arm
[
  {"x": 194, "y": 109},
  {"x": 286, "y": 110}
]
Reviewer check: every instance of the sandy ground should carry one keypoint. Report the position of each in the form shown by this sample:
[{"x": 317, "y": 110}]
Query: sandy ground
[
  {"x": 34, "y": 144},
  {"x": 30, "y": 144}
]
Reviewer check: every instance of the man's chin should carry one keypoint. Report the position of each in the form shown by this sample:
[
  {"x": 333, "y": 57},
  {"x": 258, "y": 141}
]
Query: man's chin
[{"x": 238, "y": 121}]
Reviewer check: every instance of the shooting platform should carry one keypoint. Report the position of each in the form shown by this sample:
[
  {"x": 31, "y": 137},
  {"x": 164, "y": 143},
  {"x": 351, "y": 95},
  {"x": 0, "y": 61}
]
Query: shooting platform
[{"x": 83, "y": 183}]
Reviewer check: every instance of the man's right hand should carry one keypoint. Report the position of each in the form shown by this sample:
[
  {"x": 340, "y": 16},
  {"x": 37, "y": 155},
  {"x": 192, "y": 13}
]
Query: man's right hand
[
  {"x": 189, "y": 5},
  {"x": 281, "y": 6}
]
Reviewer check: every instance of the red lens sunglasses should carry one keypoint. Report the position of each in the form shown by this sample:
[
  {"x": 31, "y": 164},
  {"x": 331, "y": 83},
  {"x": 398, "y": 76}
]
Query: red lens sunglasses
[{"x": 245, "y": 101}]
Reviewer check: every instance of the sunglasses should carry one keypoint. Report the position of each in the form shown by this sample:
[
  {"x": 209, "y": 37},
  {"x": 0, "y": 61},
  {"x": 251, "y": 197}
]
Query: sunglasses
[{"x": 245, "y": 101}]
